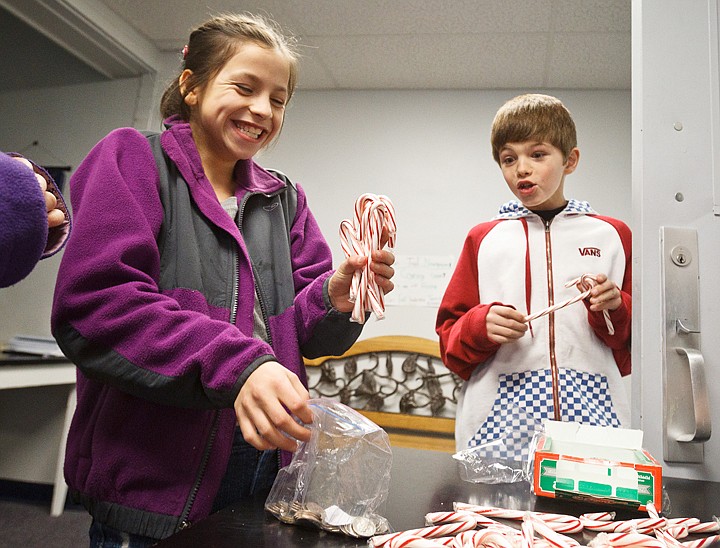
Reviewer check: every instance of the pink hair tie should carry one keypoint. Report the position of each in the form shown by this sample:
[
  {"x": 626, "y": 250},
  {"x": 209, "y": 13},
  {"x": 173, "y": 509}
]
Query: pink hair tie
[{"x": 185, "y": 51}]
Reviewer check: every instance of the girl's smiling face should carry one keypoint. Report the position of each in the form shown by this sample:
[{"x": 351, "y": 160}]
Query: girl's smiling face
[
  {"x": 242, "y": 108},
  {"x": 535, "y": 173}
]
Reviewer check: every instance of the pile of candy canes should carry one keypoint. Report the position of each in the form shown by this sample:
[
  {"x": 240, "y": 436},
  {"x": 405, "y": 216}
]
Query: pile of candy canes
[
  {"x": 473, "y": 526},
  {"x": 362, "y": 236}
]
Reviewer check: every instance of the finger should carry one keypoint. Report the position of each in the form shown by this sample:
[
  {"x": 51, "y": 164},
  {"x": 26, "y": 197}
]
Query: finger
[
  {"x": 382, "y": 270},
  {"x": 24, "y": 161},
  {"x": 300, "y": 408},
  {"x": 55, "y": 218},
  {"x": 251, "y": 435},
  {"x": 383, "y": 256},
  {"x": 351, "y": 264},
  {"x": 508, "y": 314},
  {"x": 50, "y": 201}
]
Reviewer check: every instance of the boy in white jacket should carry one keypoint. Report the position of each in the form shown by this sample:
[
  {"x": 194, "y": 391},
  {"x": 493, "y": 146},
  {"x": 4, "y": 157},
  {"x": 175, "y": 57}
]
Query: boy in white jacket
[{"x": 568, "y": 363}]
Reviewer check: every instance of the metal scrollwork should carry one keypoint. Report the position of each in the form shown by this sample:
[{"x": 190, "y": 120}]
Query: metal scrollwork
[{"x": 372, "y": 383}]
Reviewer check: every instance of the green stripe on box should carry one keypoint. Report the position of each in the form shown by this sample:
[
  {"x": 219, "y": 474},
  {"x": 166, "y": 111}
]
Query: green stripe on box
[
  {"x": 565, "y": 484},
  {"x": 593, "y": 488},
  {"x": 646, "y": 487},
  {"x": 626, "y": 494},
  {"x": 547, "y": 475}
]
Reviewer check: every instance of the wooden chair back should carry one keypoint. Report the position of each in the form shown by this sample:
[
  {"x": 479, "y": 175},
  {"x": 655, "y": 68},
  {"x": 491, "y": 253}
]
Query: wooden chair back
[{"x": 399, "y": 382}]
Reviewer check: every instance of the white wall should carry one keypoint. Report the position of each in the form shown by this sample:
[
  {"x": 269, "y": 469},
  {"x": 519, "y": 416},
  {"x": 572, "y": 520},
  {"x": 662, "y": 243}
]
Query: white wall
[
  {"x": 67, "y": 122},
  {"x": 675, "y": 150},
  {"x": 427, "y": 150}
]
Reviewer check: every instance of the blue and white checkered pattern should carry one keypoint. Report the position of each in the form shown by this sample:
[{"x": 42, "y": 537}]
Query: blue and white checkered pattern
[
  {"x": 515, "y": 210},
  {"x": 525, "y": 399}
]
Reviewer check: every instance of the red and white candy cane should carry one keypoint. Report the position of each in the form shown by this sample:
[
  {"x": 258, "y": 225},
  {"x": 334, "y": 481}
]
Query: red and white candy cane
[
  {"x": 600, "y": 516},
  {"x": 553, "y": 537},
  {"x": 702, "y": 542},
  {"x": 625, "y": 540},
  {"x": 434, "y": 518},
  {"x": 558, "y": 522},
  {"x": 641, "y": 525},
  {"x": 585, "y": 283},
  {"x": 704, "y": 527},
  {"x": 405, "y": 540},
  {"x": 362, "y": 236},
  {"x": 450, "y": 528},
  {"x": 527, "y": 534}
]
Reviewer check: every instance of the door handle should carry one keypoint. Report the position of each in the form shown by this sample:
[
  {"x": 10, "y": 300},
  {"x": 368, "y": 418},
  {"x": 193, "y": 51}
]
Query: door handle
[
  {"x": 686, "y": 411},
  {"x": 701, "y": 405}
]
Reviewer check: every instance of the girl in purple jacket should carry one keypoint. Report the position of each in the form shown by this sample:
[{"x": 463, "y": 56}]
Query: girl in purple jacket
[{"x": 189, "y": 295}]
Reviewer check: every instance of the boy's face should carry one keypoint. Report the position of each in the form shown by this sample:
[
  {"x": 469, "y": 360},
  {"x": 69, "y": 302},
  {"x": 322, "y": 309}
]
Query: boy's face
[{"x": 535, "y": 173}]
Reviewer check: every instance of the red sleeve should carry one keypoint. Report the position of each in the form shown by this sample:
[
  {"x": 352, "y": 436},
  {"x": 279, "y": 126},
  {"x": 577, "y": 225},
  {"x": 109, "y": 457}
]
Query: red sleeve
[
  {"x": 622, "y": 317},
  {"x": 461, "y": 326}
]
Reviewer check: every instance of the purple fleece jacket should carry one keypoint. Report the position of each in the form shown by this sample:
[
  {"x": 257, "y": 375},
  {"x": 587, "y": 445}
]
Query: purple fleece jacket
[
  {"x": 160, "y": 367},
  {"x": 24, "y": 235}
]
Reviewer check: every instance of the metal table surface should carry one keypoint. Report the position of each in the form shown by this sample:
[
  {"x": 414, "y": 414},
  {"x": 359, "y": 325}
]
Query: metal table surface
[{"x": 422, "y": 482}]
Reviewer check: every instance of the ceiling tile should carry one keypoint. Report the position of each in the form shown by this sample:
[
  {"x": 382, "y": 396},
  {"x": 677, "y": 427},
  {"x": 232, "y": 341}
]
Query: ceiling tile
[{"x": 589, "y": 60}]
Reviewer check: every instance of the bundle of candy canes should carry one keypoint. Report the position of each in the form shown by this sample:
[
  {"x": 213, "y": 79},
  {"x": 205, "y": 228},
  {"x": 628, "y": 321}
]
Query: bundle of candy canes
[
  {"x": 362, "y": 236},
  {"x": 584, "y": 283},
  {"x": 473, "y": 526}
]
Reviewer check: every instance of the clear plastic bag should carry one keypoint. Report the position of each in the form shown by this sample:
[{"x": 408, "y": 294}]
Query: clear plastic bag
[
  {"x": 506, "y": 459},
  {"x": 338, "y": 481}
]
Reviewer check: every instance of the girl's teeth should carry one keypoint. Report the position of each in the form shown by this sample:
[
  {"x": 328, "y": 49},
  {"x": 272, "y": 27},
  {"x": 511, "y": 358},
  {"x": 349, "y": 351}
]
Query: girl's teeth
[{"x": 252, "y": 132}]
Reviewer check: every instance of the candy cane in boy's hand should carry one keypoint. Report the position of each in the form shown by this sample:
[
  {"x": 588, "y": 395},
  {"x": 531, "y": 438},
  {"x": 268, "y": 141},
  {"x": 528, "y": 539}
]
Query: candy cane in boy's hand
[
  {"x": 362, "y": 236},
  {"x": 584, "y": 283}
]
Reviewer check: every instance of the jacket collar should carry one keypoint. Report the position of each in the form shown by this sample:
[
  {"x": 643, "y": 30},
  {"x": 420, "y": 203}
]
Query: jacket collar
[
  {"x": 515, "y": 210},
  {"x": 249, "y": 175}
]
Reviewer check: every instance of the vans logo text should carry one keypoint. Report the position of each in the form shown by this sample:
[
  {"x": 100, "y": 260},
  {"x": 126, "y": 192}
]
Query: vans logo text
[{"x": 592, "y": 251}]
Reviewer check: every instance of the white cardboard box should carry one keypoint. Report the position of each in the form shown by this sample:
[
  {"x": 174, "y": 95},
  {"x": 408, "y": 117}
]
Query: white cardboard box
[{"x": 596, "y": 464}]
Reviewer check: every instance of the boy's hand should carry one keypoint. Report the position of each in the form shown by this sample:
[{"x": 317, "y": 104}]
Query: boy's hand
[
  {"x": 504, "y": 324},
  {"x": 262, "y": 408},
  {"x": 605, "y": 295}
]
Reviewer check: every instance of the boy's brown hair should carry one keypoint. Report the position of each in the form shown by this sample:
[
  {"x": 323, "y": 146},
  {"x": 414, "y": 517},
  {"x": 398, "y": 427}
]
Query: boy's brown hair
[{"x": 533, "y": 117}]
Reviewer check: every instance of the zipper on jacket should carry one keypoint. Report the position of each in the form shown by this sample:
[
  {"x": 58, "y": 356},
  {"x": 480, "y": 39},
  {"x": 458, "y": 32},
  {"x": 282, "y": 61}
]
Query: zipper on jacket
[
  {"x": 551, "y": 325},
  {"x": 184, "y": 521},
  {"x": 258, "y": 289}
]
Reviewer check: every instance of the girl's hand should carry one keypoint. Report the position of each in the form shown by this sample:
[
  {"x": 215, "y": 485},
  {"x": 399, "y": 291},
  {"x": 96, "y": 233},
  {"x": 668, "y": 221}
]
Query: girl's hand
[
  {"x": 504, "y": 324},
  {"x": 262, "y": 408},
  {"x": 380, "y": 266}
]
